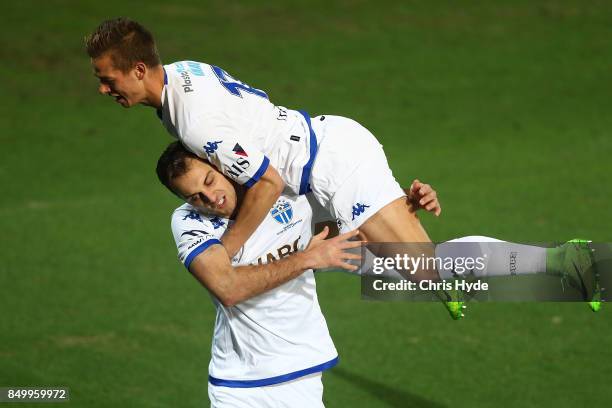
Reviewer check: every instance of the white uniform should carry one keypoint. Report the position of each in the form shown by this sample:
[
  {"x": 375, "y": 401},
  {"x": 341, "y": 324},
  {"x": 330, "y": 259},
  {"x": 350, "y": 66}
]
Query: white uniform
[
  {"x": 276, "y": 337},
  {"x": 241, "y": 132}
]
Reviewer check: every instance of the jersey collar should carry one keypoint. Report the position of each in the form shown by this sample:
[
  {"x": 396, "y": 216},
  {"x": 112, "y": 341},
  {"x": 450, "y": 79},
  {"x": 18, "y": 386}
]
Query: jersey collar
[{"x": 159, "y": 111}]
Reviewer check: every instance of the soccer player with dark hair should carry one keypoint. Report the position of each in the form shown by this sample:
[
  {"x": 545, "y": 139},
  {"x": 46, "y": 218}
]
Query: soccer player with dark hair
[{"x": 270, "y": 343}]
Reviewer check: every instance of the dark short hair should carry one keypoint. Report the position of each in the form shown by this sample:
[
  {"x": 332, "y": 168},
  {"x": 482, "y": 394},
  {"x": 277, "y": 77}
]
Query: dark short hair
[
  {"x": 173, "y": 163},
  {"x": 127, "y": 41}
]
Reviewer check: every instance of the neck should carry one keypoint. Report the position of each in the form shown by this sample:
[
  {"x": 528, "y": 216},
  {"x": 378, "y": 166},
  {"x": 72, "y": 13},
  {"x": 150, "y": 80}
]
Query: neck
[
  {"x": 154, "y": 85},
  {"x": 240, "y": 191}
]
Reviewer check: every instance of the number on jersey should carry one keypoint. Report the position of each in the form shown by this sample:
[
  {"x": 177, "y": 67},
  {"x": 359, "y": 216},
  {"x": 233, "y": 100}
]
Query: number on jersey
[{"x": 234, "y": 86}]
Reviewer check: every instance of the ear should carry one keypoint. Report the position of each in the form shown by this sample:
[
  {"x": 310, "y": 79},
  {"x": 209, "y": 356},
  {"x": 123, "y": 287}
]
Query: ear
[{"x": 140, "y": 69}]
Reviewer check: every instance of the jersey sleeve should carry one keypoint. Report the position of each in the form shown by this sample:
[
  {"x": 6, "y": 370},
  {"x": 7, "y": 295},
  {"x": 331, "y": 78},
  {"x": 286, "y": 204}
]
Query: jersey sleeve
[
  {"x": 194, "y": 234},
  {"x": 215, "y": 139}
]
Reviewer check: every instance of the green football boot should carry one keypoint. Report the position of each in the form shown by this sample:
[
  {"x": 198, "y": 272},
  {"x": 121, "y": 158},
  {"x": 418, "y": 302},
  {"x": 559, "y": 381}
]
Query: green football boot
[
  {"x": 453, "y": 301},
  {"x": 455, "y": 309},
  {"x": 574, "y": 262}
]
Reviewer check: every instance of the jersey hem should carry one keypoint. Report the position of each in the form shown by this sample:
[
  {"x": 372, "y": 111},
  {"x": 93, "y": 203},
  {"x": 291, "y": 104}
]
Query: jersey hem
[{"x": 272, "y": 380}]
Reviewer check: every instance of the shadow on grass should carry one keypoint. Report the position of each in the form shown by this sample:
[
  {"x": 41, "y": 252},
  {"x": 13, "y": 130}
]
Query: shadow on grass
[{"x": 392, "y": 397}]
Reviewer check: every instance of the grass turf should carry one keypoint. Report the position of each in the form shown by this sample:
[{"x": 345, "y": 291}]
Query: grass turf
[{"x": 503, "y": 107}]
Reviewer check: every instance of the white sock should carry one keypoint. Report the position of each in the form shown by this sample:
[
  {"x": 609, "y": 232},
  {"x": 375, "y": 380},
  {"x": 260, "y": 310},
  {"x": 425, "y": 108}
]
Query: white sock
[{"x": 499, "y": 258}]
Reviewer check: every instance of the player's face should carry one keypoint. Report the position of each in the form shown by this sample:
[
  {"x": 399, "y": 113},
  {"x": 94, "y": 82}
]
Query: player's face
[
  {"x": 126, "y": 87},
  {"x": 206, "y": 189}
]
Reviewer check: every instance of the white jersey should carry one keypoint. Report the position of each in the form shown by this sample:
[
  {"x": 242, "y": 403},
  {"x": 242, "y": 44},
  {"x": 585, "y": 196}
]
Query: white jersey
[
  {"x": 236, "y": 127},
  {"x": 278, "y": 335}
]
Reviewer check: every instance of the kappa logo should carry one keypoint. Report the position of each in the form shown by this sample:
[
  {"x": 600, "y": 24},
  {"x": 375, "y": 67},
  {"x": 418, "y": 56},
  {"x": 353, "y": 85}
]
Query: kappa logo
[
  {"x": 193, "y": 216},
  {"x": 239, "y": 151},
  {"x": 282, "y": 212},
  {"x": 359, "y": 209},
  {"x": 217, "y": 222},
  {"x": 211, "y": 147}
]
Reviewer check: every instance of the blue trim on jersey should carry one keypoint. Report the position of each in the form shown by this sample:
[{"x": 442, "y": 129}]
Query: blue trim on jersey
[
  {"x": 201, "y": 248},
  {"x": 304, "y": 186},
  {"x": 165, "y": 76},
  {"x": 272, "y": 380},
  {"x": 258, "y": 173}
]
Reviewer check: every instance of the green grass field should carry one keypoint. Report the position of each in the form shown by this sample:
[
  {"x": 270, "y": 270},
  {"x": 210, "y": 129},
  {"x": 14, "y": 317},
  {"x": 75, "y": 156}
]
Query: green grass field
[{"x": 505, "y": 107}]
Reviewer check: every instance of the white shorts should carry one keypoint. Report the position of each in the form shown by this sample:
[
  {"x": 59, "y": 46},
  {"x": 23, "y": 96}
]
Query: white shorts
[
  {"x": 350, "y": 177},
  {"x": 303, "y": 392}
]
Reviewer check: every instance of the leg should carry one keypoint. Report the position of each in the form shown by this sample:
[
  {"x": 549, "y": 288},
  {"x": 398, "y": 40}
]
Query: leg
[
  {"x": 397, "y": 222},
  {"x": 351, "y": 179},
  {"x": 499, "y": 258}
]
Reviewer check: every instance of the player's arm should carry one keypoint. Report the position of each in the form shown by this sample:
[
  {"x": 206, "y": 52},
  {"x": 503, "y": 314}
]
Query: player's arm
[
  {"x": 232, "y": 285},
  {"x": 257, "y": 201},
  {"x": 215, "y": 139}
]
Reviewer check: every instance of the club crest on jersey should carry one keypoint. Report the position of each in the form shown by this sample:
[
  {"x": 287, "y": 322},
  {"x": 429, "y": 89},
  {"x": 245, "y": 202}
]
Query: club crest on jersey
[
  {"x": 282, "y": 212},
  {"x": 239, "y": 151}
]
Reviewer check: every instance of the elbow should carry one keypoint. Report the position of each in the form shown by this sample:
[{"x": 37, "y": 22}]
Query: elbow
[
  {"x": 229, "y": 299},
  {"x": 277, "y": 184},
  {"x": 228, "y": 302},
  {"x": 228, "y": 289},
  {"x": 280, "y": 186},
  {"x": 273, "y": 181}
]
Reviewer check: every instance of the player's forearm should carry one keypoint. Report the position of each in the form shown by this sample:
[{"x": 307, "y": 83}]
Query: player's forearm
[
  {"x": 232, "y": 285},
  {"x": 245, "y": 282},
  {"x": 257, "y": 202}
]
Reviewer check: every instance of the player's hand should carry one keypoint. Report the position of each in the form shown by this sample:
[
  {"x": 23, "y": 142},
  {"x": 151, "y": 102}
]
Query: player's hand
[
  {"x": 333, "y": 252},
  {"x": 423, "y": 196}
]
